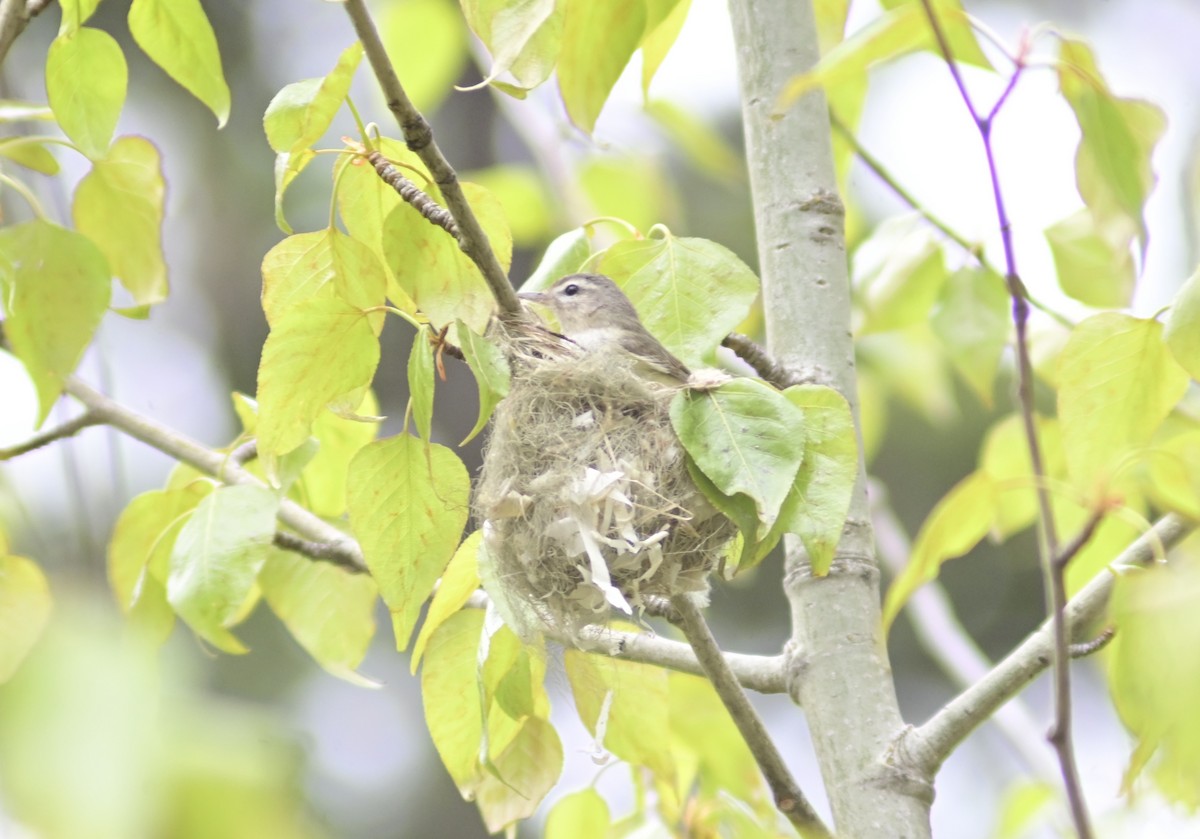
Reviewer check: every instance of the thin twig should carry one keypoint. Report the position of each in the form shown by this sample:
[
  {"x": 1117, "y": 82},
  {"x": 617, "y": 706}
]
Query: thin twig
[
  {"x": 245, "y": 453},
  {"x": 320, "y": 551},
  {"x": 1056, "y": 596},
  {"x": 68, "y": 429},
  {"x": 930, "y": 744},
  {"x": 1085, "y": 648},
  {"x": 789, "y": 798},
  {"x": 214, "y": 463},
  {"x": 430, "y": 210},
  {"x": 419, "y": 137},
  {"x": 14, "y": 17},
  {"x": 767, "y": 368}
]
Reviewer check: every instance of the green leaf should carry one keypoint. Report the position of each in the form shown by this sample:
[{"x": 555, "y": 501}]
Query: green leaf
[
  {"x": 178, "y": 38},
  {"x": 565, "y": 255},
  {"x": 1174, "y": 475},
  {"x": 524, "y": 38},
  {"x": 1024, "y": 804},
  {"x": 746, "y": 437},
  {"x": 55, "y": 286},
  {"x": 119, "y": 206},
  {"x": 690, "y": 293},
  {"x": 1155, "y": 674},
  {"x": 521, "y": 775},
  {"x": 1005, "y": 459},
  {"x": 522, "y": 194},
  {"x": 578, "y": 815},
  {"x": 324, "y": 263},
  {"x": 1093, "y": 259},
  {"x": 217, "y": 557},
  {"x": 323, "y": 352},
  {"x": 75, "y": 13},
  {"x": 701, "y": 727},
  {"x": 287, "y": 168},
  {"x": 459, "y": 581},
  {"x": 491, "y": 371},
  {"x": 1112, "y": 166},
  {"x": 451, "y": 697},
  {"x": 301, "y": 113},
  {"x": 598, "y": 39},
  {"x": 29, "y": 153},
  {"x": 1182, "y": 332},
  {"x": 704, "y": 146},
  {"x": 24, "y": 610},
  {"x": 1117, "y": 382},
  {"x": 427, "y": 46},
  {"x": 971, "y": 319},
  {"x": 322, "y": 486},
  {"x": 420, "y": 383},
  {"x": 900, "y": 291},
  {"x": 329, "y": 611},
  {"x": 408, "y": 506},
  {"x": 819, "y": 500},
  {"x": 630, "y": 187},
  {"x": 664, "y": 20},
  {"x": 86, "y": 79},
  {"x": 742, "y": 511},
  {"x": 956, "y": 524},
  {"x": 637, "y": 726}
]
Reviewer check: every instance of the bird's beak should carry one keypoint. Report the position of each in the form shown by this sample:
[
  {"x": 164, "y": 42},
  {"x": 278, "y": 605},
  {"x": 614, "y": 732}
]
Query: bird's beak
[{"x": 535, "y": 297}]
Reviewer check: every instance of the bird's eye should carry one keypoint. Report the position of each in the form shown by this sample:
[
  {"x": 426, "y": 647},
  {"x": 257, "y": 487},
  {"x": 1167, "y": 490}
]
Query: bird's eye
[{"x": 571, "y": 290}]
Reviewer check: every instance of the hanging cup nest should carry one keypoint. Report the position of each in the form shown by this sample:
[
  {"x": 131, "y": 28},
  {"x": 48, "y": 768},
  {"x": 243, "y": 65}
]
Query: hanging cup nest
[{"x": 584, "y": 497}]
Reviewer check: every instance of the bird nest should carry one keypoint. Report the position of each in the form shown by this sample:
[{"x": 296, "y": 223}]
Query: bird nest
[{"x": 584, "y": 497}]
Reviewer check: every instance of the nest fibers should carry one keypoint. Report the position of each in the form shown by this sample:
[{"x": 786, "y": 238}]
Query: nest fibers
[{"x": 584, "y": 498}]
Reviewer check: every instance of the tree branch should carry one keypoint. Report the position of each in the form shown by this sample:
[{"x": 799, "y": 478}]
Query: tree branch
[
  {"x": 419, "y": 137},
  {"x": 320, "y": 551},
  {"x": 216, "y": 464},
  {"x": 767, "y": 368},
  {"x": 789, "y": 798},
  {"x": 930, "y": 744},
  {"x": 68, "y": 429},
  {"x": 430, "y": 210},
  {"x": 14, "y": 17}
]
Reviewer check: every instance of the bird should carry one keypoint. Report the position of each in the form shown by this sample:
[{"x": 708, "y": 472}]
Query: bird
[{"x": 594, "y": 313}]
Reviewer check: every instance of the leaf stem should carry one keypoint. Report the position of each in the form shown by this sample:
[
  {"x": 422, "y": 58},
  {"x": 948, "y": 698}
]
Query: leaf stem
[{"x": 26, "y": 193}]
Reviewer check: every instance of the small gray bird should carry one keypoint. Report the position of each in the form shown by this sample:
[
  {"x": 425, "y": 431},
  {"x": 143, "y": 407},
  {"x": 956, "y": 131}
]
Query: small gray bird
[{"x": 595, "y": 314}]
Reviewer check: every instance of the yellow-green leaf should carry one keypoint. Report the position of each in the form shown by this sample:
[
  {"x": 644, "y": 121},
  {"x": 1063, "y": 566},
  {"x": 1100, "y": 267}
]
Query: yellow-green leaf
[
  {"x": 329, "y": 611},
  {"x": 900, "y": 290},
  {"x": 323, "y": 352},
  {"x": 523, "y": 38},
  {"x": 178, "y": 38},
  {"x": 427, "y": 45},
  {"x": 819, "y": 500},
  {"x": 1117, "y": 382},
  {"x": 450, "y": 695},
  {"x": 54, "y": 286},
  {"x": 747, "y": 438},
  {"x": 459, "y": 581},
  {"x": 1093, "y": 258},
  {"x": 76, "y": 14},
  {"x": 624, "y": 705},
  {"x": 300, "y": 114},
  {"x": 971, "y": 319},
  {"x": 408, "y": 505},
  {"x": 565, "y": 255},
  {"x": 628, "y": 186},
  {"x": 322, "y": 486},
  {"x": 1174, "y": 474},
  {"x": 29, "y": 153},
  {"x": 119, "y": 206},
  {"x": 690, "y": 293},
  {"x": 491, "y": 371},
  {"x": 664, "y": 20},
  {"x": 15, "y": 110},
  {"x": 704, "y": 146},
  {"x": 700, "y": 725},
  {"x": 598, "y": 40},
  {"x": 579, "y": 815},
  {"x": 521, "y": 191},
  {"x": 24, "y": 610},
  {"x": 1182, "y": 332},
  {"x": 217, "y": 557},
  {"x": 86, "y": 78},
  {"x": 420, "y": 383},
  {"x": 287, "y": 168},
  {"x": 956, "y": 524},
  {"x": 322, "y": 263},
  {"x": 521, "y": 775}
]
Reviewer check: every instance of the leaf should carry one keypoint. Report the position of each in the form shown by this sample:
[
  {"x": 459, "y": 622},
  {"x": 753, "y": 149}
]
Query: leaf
[
  {"x": 301, "y": 113},
  {"x": 55, "y": 286},
  {"x": 1024, "y": 805},
  {"x": 451, "y": 698},
  {"x": 287, "y": 168},
  {"x": 15, "y": 110},
  {"x": 323, "y": 484},
  {"x": 742, "y": 511},
  {"x": 636, "y": 728},
  {"x": 598, "y": 39},
  {"x": 25, "y": 606},
  {"x": 1182, "y": 332},
  {"x": 420, "y": 383},
  {"x": 1112, "y": 165},
  {"x": 665, "y": 19},
  {"x": 322, "y": 263},
  {"x": 76, "y": 13},
  {"x": 901, "y": 290},
  {"x": 119, "y": 206},
  {"x": 1004, "y": 458},
  {"x": 491, "y": 371},
  {"x": 1174, "y": 475},
  {"x": 1093, "y": 260},
  {"x": 702, "y": 728},
  {"x": 329, "y": 611},
  {"x": 524, "y": 38},
  {"x": 529, "y": 766},
  {"x": 971, "y": 319},
  {"x": 630, "y": 187},
  {"x": 217, "y": 557},
  {"x": 459, "y": 581},
  {"x": 1117, "y": 382},
  {"x": 427, "y": 46},
  {"x": 29, "y": 153},
  {"x": 704, "y": 146},
  {"x": 521, "y": 192},
  {"x": 323, "y": 352},
  {"x": 178, "y": 38},
  {"x": 86, "y": 78},
  {"x": 690, "y": 293},
  {"x": 578, "y": 815},
  {"x": 819, "y": 500},
  {"x": 408, "y": 505},
  {"x": 565, "y": 255},
  {"x": 956, "y": 524},
  {"x": 746, "y": 437}
]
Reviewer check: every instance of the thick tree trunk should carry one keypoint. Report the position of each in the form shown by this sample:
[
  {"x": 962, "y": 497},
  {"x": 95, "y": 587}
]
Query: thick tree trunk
[{"x": 839, "y": 671}]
